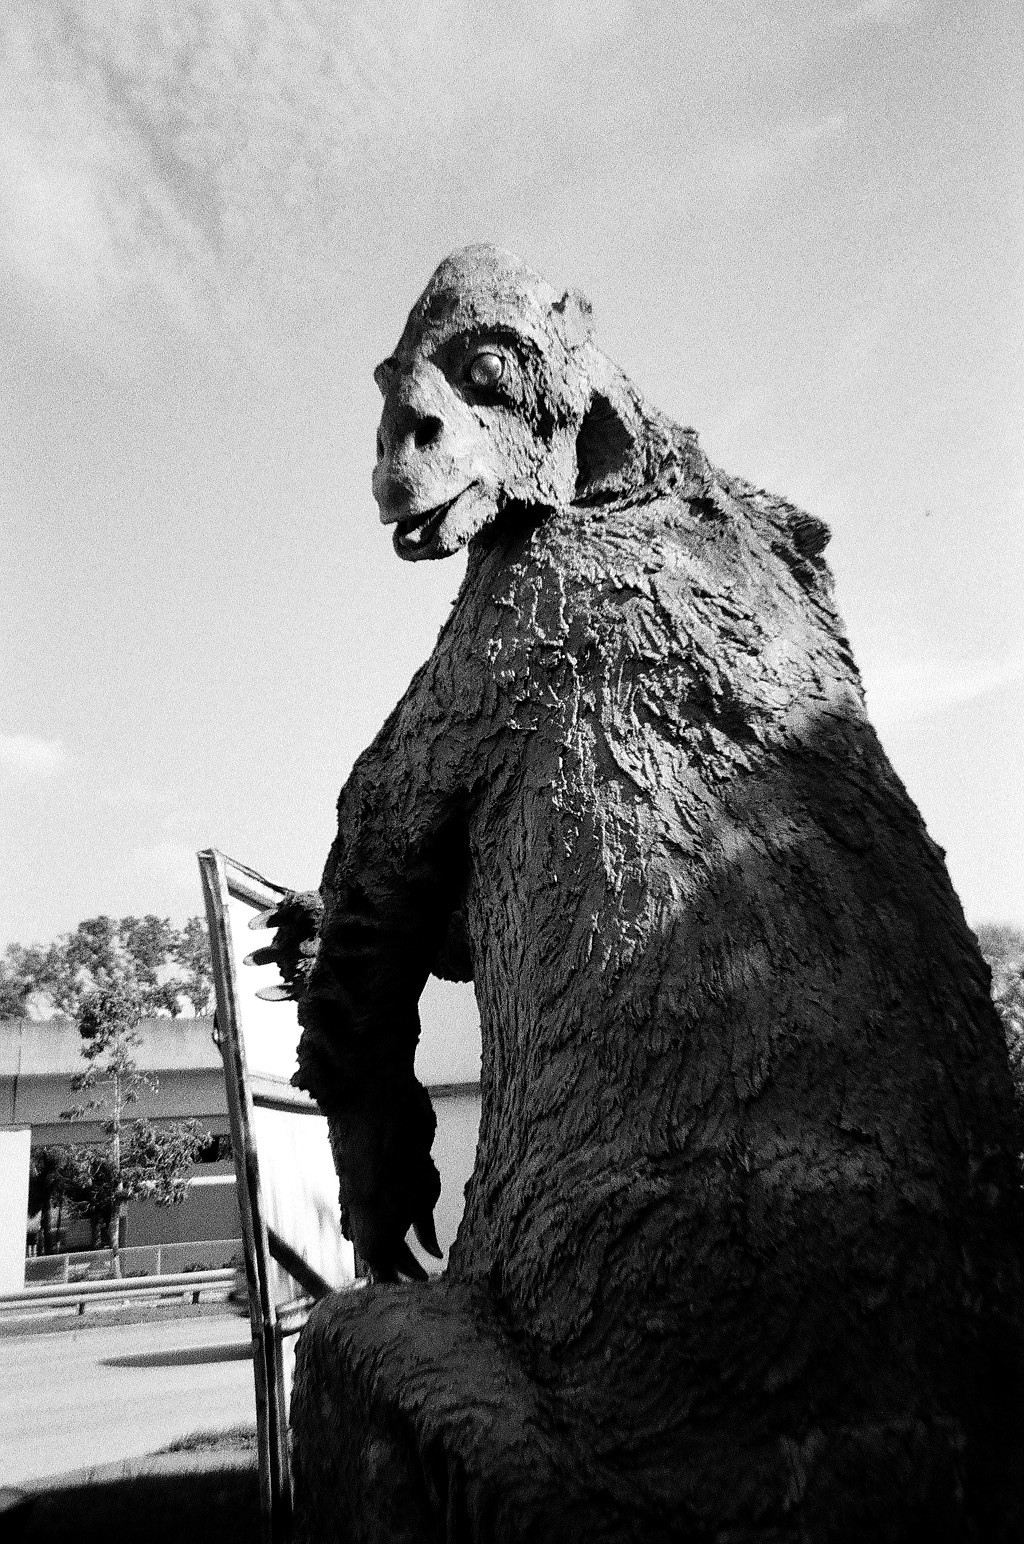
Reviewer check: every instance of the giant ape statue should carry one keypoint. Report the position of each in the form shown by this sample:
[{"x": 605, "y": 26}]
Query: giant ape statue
[{"x": 741, "y": 1253}]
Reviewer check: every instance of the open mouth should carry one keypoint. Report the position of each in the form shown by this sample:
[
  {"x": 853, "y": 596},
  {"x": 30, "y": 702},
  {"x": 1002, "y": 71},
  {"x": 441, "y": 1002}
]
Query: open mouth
[{"x": 417, "y": 533}]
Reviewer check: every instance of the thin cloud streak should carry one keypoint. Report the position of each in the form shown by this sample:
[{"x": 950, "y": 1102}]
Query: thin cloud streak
[
  {"x": 143, "y": 148},
  {"x": 902, "y": 690}
]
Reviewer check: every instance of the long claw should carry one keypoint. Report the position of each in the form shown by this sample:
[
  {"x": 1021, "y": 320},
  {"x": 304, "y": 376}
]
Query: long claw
[
  {"x": 275, "y": 994},
  {"x": 408, "y": 1264},
  {"x": 425, "y": 1231},
  {"x": 265, "y": 956},
  {"x": 263, "y": 919}
]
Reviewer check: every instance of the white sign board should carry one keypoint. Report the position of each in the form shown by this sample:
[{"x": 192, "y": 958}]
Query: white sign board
[
  {"x": 297, "y": 1175},
  {"x": 287, "y": 1186}
]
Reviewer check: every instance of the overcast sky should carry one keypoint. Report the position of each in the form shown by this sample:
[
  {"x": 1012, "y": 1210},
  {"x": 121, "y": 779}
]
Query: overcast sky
[{"x": 800, "y": 227}]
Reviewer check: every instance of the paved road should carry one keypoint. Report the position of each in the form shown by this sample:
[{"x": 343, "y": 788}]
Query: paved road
[{"x": 101, "y": 1393}]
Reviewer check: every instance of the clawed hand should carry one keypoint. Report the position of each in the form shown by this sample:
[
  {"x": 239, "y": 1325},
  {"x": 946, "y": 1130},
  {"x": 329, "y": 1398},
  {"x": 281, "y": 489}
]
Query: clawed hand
[
  {"x": 296, "y": 918},
  {"x": 389, "y": 1182}
]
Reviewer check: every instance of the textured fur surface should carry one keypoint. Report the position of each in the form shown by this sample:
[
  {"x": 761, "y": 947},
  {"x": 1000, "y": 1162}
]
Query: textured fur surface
[{"x": 741, "y": 1252}]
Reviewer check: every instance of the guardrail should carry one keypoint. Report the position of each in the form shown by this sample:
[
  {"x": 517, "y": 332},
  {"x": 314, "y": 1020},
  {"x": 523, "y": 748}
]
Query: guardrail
[
  {"x": 67, "y": 1270},
  {"x": 177, "y": 1285}
]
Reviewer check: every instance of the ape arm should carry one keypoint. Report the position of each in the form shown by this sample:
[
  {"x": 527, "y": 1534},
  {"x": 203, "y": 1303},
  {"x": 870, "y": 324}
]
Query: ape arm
[{"x": 393, "y": 880}]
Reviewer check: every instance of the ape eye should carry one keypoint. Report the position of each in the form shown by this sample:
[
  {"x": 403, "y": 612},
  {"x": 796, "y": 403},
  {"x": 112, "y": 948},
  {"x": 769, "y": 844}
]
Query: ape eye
[{"x": 486, "y": 369}]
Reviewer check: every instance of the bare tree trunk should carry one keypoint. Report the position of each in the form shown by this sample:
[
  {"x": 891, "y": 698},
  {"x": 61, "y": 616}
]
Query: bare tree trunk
[
  {"x": 114, "y": 1239},
  {"x": 741, "y": 1254},
  {"x": 117, "y": 1211},
  {"x": 45, "y": 1225}
]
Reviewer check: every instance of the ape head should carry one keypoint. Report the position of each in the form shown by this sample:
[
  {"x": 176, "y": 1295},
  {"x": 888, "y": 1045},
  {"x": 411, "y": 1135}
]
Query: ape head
[{"x": 487, "y": 399}]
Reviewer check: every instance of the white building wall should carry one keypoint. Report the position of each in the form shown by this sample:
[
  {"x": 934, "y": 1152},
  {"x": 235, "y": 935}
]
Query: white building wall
[{"x": 15, "y": 1150}]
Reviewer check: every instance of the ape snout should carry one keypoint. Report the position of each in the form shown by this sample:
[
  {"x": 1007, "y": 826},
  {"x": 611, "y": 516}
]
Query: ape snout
[
  {"x": 428, "y": 444},
  {"x": 415, "y": 467},
  {"x": 394, "y": 495}
]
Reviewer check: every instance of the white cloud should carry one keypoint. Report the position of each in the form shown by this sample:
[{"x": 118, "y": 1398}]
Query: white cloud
[
  {"x": 89, "y": 220},
  {"x": 142, "y": 145},
  {"x": 28, "y": 756},
  {"x": 900, "y": 690}
]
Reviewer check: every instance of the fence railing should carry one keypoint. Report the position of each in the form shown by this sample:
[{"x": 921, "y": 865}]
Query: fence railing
[
  {"x": 177, "y": 1284},
  {"x": 136, "y": 1260}
]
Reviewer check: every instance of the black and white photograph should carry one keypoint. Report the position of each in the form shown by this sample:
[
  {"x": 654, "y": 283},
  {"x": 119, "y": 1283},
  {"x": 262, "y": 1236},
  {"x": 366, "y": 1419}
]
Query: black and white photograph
[{"x": 511, "y": 836}]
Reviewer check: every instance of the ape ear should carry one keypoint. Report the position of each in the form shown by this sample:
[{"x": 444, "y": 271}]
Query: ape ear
[
  {"x": 573, "y": 316},
  {"x": 808, "y": 534},
  {"x": 606, "y": 450}
]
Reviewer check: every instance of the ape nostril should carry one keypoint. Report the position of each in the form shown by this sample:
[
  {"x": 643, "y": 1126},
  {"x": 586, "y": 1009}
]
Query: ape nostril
[
  {"x": 427, "y": 430},
  {"x": 380, "y": 446}
]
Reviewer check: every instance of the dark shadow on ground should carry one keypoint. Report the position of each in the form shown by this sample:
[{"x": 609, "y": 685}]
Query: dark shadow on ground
[
  {"x": 183, "y": 1356},
  {"x": 220, "y": 1507}
]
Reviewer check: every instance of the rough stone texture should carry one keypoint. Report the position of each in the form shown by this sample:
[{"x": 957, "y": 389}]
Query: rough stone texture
[{"x": 741, "y": 1253}]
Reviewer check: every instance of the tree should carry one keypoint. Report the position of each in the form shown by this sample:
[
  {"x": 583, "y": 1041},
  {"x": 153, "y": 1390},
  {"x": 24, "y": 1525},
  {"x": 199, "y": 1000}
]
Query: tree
[
  {"x": 103, "y": 952},
  {"x": 191, "y": 951},
  {"x": 12, "y": 996},
  {"x": 139, "y": 1157},
  {"x": 155, "y": 1163},
  {"x": 90, "y": 1186},
  {"x": 148, "y": 945},
  {"x": 162, "y": 965},
  {"x": 22, "y": 973}
]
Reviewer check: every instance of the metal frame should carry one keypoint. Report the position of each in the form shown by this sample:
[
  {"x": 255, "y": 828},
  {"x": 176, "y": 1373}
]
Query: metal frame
[
  {"x": 222, "y": 878},
  {"x": 77, "y": 1294}
]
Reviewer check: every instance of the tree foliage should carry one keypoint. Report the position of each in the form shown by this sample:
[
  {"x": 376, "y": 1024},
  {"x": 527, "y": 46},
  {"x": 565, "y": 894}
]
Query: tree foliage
[
  {"x": 164, "y": 967},
  {"x": 195, "y": 971},
  {"x": 155, "y": 1165},
  {"x": 46, "y": 1189},
  {"x": 23, "y": 972}
]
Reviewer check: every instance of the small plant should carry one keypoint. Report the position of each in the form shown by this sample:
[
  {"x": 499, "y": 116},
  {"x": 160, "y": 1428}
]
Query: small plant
[{"x": 238, "y": 1439}]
